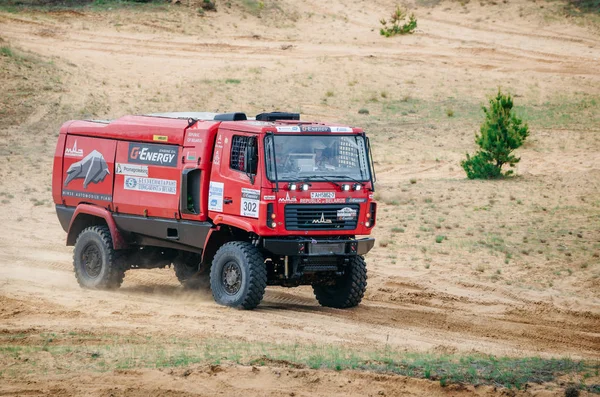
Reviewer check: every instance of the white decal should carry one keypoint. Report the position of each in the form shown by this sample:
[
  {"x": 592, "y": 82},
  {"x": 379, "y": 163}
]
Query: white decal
[
  {"x": 153, "y": 185},
  {"x": 268, "y": 198},
  {"x": 291, "y": 128},
  {"x": 341, "y": 129},
  {"x": 250, "y": 202},
  {"x": 215, "y": 196},
  {"x": 322, "y": 195},
  {"x": 131, "y": 169},
  {"x": 346, "y": 214},
  {"x": 287, "y": 199},
  {"x": 73, "y": 152},
  {"x": 217, "y": 159}
]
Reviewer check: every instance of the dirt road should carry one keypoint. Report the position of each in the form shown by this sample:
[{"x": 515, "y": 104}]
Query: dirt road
[{"x": 523, "y": 296}]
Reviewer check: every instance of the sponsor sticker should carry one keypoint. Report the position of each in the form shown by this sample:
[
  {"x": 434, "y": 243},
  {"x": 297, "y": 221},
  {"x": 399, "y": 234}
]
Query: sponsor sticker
[
  {"x": 160, "y": 138},
  {"x": 153, "y": 185},
  {"x": 151, "y": 154},
  {"x": 87, "y": 195},
  {"x": 290, "y": 128},
  {"x": 355, "y": 200},
  {"x": 268, "y": 198},
  {"x": 315, "y": 128},
  {"x": 322, "y": 195},
  {"x": 191, "y": 156},
  {"x": 346, "y": 214},
  {"x": 131, "y": 169},
  {"x": 217, "y": 158},
  {"x": 74, "y": 151},
  {"x": 250, "y": 202},
  {"x": 341, "y": 129},
  {"x": 215, "y": 196}
]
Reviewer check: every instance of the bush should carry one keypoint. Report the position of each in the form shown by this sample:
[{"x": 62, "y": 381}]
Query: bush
[
  {"x": 500, "y": 134},
  {"x": 398, "y": 17}
]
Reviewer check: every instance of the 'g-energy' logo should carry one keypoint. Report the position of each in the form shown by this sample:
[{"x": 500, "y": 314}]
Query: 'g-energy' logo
[{"x": 163, "y": 155}]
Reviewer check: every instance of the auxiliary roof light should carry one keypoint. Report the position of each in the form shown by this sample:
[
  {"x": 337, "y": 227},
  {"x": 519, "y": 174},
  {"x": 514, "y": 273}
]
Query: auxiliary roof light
[
  {"x": 346, "y": 187},
  {"x": 293, "y": 186},
  {"x": 304, "y": 187},
  {"x": 357, "y": 186}
]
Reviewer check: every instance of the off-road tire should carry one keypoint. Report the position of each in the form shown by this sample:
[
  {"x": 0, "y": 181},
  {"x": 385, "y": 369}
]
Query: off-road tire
[
  {"x": 249, "y": 264},
  {"x": 348, "y": 290},
  {"x": 95, "y": 260},
  {"x": 186, "y": 267}
]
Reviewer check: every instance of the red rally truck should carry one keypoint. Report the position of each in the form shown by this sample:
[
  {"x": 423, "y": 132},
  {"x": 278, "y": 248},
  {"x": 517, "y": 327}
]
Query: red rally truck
[{"x": 245, "y": 203}]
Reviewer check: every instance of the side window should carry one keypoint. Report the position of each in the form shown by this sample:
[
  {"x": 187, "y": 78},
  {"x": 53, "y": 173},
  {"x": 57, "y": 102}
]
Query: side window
[{"x": 237, "y": 160}]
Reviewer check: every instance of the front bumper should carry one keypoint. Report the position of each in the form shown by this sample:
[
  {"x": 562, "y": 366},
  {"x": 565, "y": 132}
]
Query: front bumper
[{"x": 312, "y": 247}]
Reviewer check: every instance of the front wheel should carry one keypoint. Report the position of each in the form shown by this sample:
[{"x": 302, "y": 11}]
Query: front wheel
[
  {"x": 348, "y": 290},
  {"x": 238, "y": 275},
  {"x": 95, "y": 260}
]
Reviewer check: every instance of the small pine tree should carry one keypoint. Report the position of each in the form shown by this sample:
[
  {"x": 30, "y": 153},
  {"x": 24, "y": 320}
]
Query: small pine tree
[
  {"x": 397, "y": 22},
  {"x": 500, "y": 134}
]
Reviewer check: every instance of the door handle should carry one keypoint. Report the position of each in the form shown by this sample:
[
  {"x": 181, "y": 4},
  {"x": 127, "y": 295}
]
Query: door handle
[{"x": 227, "y": 200}]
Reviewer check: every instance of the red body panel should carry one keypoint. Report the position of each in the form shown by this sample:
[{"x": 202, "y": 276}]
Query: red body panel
[
  {"x": 88, "y": 171},
  {"x": 134, "y": 128}
]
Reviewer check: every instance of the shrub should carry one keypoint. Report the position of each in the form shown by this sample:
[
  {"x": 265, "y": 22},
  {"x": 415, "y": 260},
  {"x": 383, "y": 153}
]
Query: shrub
[
  {"x": 398, "y": 23},
  {"x": 500, "y": 134}
]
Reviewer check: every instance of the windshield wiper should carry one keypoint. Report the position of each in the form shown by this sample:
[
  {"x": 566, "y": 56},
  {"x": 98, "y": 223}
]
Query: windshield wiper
[
  {"x": 346, "y": 176},
  {"x": 308, "y": 178}
]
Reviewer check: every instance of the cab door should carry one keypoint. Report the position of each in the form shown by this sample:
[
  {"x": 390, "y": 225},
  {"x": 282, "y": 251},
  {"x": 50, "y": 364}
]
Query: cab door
[{"x": 233, "y": 190}]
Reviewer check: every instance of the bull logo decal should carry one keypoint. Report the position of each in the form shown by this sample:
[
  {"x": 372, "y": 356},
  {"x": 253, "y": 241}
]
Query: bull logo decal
[{"x": 92, "y": 169}]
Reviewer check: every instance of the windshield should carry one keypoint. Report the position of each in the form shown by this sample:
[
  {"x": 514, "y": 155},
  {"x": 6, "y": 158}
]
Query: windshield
[{"x": 305, "y": 157}]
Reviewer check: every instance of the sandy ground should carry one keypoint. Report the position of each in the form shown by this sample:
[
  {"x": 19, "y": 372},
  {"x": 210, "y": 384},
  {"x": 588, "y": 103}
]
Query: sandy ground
[{"x": 517, "y": 275}]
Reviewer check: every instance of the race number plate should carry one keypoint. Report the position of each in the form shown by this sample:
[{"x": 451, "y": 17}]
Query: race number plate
[{"x": 250, "y": 202}]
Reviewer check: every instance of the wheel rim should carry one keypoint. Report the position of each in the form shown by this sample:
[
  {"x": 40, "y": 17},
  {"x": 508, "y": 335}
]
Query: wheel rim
[
  {"x": 231, "y": 277},
  {"x": 92, "y": 260}
]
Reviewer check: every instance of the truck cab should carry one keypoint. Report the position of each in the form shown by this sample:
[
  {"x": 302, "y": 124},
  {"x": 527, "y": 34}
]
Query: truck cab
[{"x": 240, "y": 203}]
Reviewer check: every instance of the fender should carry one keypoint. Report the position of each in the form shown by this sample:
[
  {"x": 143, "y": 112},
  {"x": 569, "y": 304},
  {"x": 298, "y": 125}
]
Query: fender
[
  {"x": 119, "y": 241},
  {"x": 216, "y": 238},
  {"x": 235, "y": 221}
]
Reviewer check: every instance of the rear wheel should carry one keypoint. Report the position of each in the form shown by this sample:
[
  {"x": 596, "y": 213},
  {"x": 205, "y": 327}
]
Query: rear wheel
[
  {"x": 238, "y": 275},
  {"x": 95, "y": 260},
  {"x": 188, "y": 270},
  {"x": 348, "y": 290}
]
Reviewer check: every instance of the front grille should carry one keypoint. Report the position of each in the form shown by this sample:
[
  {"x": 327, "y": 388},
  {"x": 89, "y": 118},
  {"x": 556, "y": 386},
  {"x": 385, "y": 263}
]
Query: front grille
[{"x": 320, "y": 216}]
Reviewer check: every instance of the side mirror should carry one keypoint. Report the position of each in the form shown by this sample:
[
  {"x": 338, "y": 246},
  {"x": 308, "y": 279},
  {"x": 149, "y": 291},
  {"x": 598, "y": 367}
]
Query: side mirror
[{"x": 251, "y": 156}]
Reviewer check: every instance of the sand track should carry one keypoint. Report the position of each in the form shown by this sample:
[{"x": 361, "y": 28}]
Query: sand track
[{"x": 451, "y": 310}]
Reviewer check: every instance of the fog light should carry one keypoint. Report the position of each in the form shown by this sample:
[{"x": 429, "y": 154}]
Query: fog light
[
  {"x": 304, "y": 187},
  {"x": 273, "y": 225},
  {"x": 368, "y": 215},
  {"x": 357, "y": 186},
  {"x": 273, "y": 216},
  {"x": 292, "y": 186},
  {"x": 368, "y": 224},
  {"x": 346, "y": 188}
]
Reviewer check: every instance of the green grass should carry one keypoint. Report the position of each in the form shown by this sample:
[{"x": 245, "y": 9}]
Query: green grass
[
  {"x": 109, "y": 352},
  {"x": 233, "y": 81},
  {"x": 6, "y": 51}
]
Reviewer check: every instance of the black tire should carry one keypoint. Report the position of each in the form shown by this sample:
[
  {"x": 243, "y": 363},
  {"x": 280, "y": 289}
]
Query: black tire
[
  {"x": 95, "y": 260},
  {"x": 187, "y": 266},
  {"x": 348, "y": 290},
  {"x": 238, "y": 275}
]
